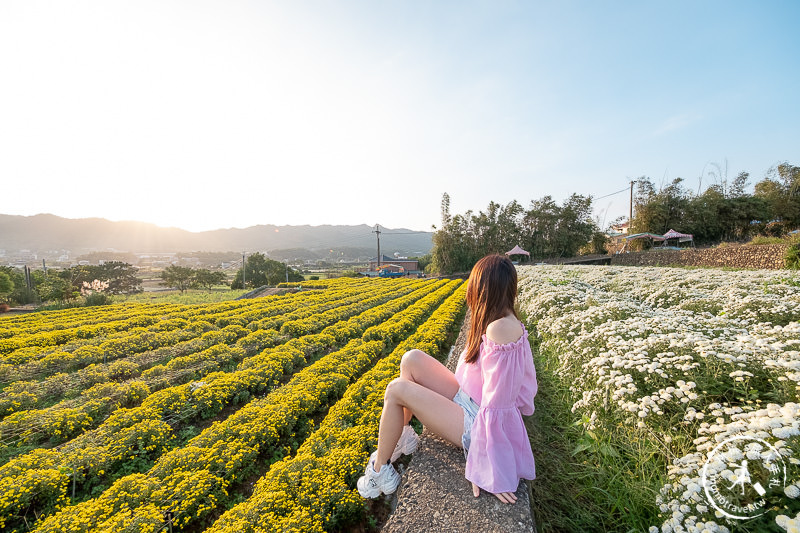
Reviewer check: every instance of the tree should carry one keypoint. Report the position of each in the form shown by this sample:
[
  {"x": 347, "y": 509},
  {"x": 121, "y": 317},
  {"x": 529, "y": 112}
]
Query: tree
[
  {"x": 545, "y": 230},
  {"x": 208, "y": 278},
  {"x": 178, "y": 277},
  {"x": 20, "y": 292},
  {"x": 121, "y": 277},
  {"x": 6, "y": 285},
  {"x": 445, "y": 209},
  {"x": 262, "y": 271},
  {"x": 781, "y": 190},
  {"x": 53, "y": 287},
  {"x": 422, "y": 261}
]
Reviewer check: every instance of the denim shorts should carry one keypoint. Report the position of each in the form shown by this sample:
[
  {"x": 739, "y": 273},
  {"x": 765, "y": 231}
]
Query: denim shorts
[{"x": 470, "y": 411}]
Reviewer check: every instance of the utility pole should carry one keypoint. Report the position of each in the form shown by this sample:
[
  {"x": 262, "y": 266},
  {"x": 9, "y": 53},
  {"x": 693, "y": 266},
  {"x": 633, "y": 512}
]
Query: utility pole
[
  {"x": 377, "y": 232},
  {"x": 44, "y": 266},
  {"x": 244, "y": 272},
  {"x": 287, "y": 271},
  {"x": 630, "y": 211}
]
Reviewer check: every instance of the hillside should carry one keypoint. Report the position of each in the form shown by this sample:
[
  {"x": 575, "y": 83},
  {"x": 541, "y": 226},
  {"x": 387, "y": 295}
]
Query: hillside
[{"x": 45, "y": 233}]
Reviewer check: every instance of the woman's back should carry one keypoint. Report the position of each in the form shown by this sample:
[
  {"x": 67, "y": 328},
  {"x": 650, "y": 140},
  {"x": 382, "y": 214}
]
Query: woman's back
[{"x": 504, "y": 330}]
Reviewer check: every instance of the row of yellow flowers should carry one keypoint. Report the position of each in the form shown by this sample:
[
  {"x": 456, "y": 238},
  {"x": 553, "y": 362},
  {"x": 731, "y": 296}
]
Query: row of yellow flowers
[
  {"x": 76, "y": 317},
  {"x": 100, "y": 454},
  {"x": 69, "y": 418},
  {"x": 241, "y": 313},
  {"x": 26, "y": 394},
  {"x": 228, "y": 450},
  {"x": 37, "y": 333},
  {"x": 314, "y": 491},
  {"x": 85, "y": 317}
]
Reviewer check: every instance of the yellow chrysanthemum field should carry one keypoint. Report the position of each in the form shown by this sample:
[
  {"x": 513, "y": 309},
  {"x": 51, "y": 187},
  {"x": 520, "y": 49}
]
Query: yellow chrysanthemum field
[
  {"x": 251, "y": 415},
  {"x": 259, "y": 415}
]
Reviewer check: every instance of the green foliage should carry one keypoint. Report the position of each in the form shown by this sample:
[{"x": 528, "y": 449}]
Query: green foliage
[
  {"x": 597, "y": 245},
  {"x": 587, "y": 481},
  {"x": 178, "y": 277},
  {"x": 121, "y": 276},
  {"x": 262, "y": 271},
  {"x": 6, "y": 285},
  {"x": 723, "y": 211},
  {"x": 20, "y": 292},
  {"x": 188, "y": 297},
  {"x": 97, "y": 298},
  {"x": 546, "y": 229},
  {"x": 183, "y": 278},
  {"x": 206, "y": 279},
  {"x": 54, "y": 288},
  {"x": 792, "y": 257},
  {"x": 423, "y": 261}
]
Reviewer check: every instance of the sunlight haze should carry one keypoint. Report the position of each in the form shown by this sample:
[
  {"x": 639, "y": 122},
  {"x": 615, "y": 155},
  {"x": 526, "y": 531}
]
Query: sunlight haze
[{"x": 204, "y": 115}]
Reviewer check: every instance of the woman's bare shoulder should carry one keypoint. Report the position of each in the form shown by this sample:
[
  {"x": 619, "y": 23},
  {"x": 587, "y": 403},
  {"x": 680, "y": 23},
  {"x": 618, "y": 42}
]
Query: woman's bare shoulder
[{"x": 504, "y": 330}]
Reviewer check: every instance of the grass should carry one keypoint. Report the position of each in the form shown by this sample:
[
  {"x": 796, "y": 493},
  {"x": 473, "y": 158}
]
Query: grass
[
  {"x": 191, "y": 296},
  {"x": 786, "y": 239},
  {"x": 586, "y": 480}
]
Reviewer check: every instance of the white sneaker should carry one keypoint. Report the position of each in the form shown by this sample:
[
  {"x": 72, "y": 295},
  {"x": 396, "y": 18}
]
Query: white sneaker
[
  {"x": 406, "y": 445},
  {"x": 372, "y": 484}
]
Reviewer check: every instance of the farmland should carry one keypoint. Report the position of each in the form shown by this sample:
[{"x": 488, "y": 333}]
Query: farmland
[
  {"x": 258, "y": 415},
  {"x": 659, "y": 367},
  {"x": 254, "y": 415}
]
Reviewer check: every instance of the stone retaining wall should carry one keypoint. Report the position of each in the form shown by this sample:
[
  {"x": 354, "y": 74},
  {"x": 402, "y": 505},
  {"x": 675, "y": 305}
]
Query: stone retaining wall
[{"x": 767, "y": 256}]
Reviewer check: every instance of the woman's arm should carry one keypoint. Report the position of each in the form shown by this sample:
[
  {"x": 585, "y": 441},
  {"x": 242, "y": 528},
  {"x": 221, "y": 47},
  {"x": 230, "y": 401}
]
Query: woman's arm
[{"x": 529, "y": 386}]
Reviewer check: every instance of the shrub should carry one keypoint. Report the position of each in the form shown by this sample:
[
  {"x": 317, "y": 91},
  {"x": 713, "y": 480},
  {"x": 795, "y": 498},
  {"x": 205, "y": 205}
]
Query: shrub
[
  {"x": 792, "y": 257},
  {"x": 97, "y": 298},
  {"x": 761, "y": 239}
]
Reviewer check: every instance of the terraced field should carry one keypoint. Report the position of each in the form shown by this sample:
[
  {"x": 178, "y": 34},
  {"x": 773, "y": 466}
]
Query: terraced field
[{"x": 254, "y": 415}]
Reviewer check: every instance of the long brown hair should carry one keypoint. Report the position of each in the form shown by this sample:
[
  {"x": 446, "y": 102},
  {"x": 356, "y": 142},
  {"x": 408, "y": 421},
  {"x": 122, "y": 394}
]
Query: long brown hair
[{"x": 491, "y": 291}]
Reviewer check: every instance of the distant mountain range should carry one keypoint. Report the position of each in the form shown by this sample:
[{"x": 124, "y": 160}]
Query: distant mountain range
[{"x": 48, "y": 234}]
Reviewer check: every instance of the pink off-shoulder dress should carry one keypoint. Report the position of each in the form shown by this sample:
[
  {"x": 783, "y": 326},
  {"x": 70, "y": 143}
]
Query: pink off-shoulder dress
[{"x": 503, "y": 382}]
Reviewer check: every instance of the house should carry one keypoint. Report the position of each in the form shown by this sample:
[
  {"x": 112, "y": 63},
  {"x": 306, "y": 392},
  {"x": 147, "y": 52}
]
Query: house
[
  {"x": 407, "y": 264},
  {"x": 619, "y": 228},
  {"x": 616, "y": 234}
]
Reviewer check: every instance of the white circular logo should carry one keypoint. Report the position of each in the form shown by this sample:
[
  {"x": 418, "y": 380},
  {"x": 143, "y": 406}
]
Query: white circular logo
[{"x": 739, "y": 475}]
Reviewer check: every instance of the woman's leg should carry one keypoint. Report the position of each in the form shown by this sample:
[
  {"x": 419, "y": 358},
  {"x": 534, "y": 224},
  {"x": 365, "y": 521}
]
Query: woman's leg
[
  {"x": 425, "y": 388},
  {"x": 419, "y": 367}
]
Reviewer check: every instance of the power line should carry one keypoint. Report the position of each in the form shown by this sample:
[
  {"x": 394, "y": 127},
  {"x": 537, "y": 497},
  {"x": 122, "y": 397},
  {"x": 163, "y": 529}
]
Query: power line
[{"x": 610, "y": 194}]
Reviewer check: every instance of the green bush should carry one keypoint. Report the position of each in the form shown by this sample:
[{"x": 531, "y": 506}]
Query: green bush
[
  {"x": 97, "y": 298},
  {"x": 761, "y": 239},
  {"x": 792, "y": 257}
]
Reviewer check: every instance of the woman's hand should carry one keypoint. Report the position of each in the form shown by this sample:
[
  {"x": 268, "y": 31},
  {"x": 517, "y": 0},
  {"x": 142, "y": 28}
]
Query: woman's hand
[{"x": 505, "y": 497}]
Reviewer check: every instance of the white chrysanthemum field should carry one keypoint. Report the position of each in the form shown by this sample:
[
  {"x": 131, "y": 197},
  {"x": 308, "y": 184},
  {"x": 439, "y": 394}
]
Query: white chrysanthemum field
[{"x": 660, "y": 369}]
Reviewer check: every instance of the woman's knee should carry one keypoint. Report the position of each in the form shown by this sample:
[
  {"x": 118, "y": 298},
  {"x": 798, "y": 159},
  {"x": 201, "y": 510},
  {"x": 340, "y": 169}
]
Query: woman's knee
[
  {"x": 395, "y": 390},
  {"x": 410, "y": 360}
]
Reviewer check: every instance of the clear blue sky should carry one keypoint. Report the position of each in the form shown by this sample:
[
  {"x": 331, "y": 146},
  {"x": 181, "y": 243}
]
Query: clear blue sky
[{"x": 203, "y": 115}]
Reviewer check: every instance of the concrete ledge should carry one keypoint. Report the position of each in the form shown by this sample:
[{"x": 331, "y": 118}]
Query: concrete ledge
[{"x": 434, "y": 496}]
